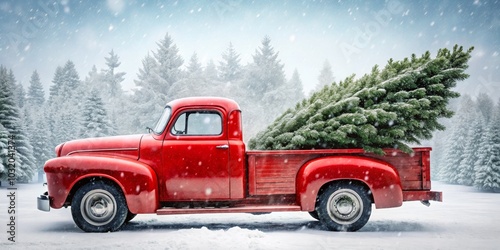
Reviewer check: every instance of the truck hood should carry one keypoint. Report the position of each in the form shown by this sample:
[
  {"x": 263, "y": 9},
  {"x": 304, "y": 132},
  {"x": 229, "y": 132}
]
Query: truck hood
[{"x": 127, "y": 146}]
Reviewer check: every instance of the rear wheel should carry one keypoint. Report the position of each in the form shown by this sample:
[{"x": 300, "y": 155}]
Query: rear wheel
[
  {"x": 314, "y": 214},
  {"x": 344, "y": 207},
  {"x": 99, "y": 207}
]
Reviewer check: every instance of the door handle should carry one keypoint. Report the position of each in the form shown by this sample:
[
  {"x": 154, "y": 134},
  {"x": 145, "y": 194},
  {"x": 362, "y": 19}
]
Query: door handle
[{"x": 225, "y": 146}]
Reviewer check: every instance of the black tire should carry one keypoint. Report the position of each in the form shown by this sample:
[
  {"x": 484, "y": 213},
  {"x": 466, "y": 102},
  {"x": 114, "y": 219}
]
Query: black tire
[
  {"x": 314, "y": 214},
  {"x": 344, "y": 207},
  {"x": 99, "y": 207},
  {"x": 130, "y": 216}
]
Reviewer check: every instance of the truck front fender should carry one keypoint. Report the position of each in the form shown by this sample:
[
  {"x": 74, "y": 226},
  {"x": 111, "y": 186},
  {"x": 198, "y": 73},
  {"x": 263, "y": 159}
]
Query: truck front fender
[
  {"x": 137, "y": 181},
  {"x": 380, "y": 177}
]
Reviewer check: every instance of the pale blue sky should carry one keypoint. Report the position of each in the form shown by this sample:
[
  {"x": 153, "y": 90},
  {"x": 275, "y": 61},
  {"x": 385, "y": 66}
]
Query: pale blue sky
[{"x": 351, "y": 35}]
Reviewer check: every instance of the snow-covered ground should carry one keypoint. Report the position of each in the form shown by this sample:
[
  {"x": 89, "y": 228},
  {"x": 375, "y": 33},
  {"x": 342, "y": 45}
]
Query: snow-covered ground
[{"x": 467, "y": 219}]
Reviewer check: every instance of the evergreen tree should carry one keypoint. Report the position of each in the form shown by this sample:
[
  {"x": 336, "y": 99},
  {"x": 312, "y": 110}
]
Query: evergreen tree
[
  {"x": 52, "y": 107},
  {"x": 65, "y": 82},
  {"x": 155, "y": 80},
  {"x": 25, "y": 150},
  {"x": 229, "y": 68},
  {"x": 114, "y": 101},
  {"x": 264, "y": 86},
  {"x": 19, "y": 94},
  {"x": 215, "y": 85},
  {"x": 113, "y": 79},
  {"x": 481, "y": 165},
  {"x": 325, "y": 77},
  {"x": 67, "y": 127},
  {"x": 392, "y": 107},
  {"x": 439, "y": 140},
  {"x": 39, "y": 134},
  {"x": 210, "y": 72},
  {"x": 194, "y": 66},
  {"x": 10, "y": 119},
  {"x": 64, "y": 104},
  {"x": 194, "y": 83},
  {"x": 488, "y": 164},
  {"x": 4, "y": 154},
  {"x": 70, "y": 80},
  {"x": 36, "y": 94},
  {"x": 294, "y": 89},
  {"x": 466, "y": 171},
  {"x": 57, "y": 84},
  {"x": 230, "y": 78},
  {"x": 169, "y": 64},
  {"x": 52, "y": 117},
  {"x": 437, "y": 154},
  {"x": 265, "y": 74},
  {"x": 147, "y": 102},
  {"x": 94, "y": 118},
  {"x": 94, "y": 79},
  {"x": 457, "y": 142},
  {"x": 485, "y": 105}
]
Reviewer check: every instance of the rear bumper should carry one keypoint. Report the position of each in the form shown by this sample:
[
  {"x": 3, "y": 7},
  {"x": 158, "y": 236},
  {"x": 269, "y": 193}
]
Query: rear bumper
[
  {"x": 43, "y": 202},
  {"x": 422, "y": 196}
]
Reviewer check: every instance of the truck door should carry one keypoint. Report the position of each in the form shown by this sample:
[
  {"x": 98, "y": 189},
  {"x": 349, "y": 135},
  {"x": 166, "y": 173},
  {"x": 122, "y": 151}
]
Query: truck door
[{"x": 196, "y": 155}]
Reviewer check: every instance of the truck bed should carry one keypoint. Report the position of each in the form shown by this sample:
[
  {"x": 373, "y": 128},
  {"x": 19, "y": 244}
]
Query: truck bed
[{"x": 274, "y": 172}]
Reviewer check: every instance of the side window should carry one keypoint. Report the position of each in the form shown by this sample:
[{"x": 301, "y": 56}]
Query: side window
[{"x": 198, "y": 123}]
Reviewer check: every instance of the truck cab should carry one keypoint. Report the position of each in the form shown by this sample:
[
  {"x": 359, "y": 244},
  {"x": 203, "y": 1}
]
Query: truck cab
[{"x": 202, "y": 151}]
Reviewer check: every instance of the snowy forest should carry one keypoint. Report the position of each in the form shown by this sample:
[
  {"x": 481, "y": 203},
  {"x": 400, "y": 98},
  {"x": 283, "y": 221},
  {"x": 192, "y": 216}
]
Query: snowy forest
[
  {"x": 468, "y": 151},
  {"x": 96, "y": 105}
]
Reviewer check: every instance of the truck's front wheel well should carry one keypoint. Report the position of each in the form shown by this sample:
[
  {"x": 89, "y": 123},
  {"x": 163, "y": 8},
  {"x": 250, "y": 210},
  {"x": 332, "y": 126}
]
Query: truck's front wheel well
[
  {"x": 84, "y": 181},
  {"x": 346, "y": 182}
]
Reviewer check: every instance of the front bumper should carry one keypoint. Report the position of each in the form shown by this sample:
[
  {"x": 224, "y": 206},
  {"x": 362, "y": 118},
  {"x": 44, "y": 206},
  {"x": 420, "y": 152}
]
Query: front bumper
[{"x": 43, "y": 202}]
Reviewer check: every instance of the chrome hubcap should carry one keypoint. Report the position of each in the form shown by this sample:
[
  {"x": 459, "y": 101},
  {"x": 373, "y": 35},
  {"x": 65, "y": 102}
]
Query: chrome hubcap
[
  {"x": 98, "y": 207},
  {"x": 345, "y": 206}
]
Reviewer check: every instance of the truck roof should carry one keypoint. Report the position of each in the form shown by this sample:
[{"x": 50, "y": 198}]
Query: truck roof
[{"x": 225, "y": 103}]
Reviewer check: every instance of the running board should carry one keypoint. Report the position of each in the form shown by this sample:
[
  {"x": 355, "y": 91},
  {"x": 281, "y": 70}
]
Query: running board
[{"x": 247, "y": 209}]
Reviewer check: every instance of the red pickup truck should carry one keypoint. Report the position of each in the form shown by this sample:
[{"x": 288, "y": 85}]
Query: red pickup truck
[{"x": 194, "y": 161}]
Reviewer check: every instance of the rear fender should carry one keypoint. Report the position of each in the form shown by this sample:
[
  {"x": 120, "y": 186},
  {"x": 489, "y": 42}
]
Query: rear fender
[
  {"x": 137, "y": 181},
  {"x": 380, "y": 177}
]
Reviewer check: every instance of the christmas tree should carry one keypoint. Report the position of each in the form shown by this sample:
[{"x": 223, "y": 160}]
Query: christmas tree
[{"x": 387, "y": 108}]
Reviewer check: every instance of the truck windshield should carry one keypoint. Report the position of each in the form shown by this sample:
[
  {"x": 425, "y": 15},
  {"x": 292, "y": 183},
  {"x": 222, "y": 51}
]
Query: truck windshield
[{"x": 162, "y": 122}]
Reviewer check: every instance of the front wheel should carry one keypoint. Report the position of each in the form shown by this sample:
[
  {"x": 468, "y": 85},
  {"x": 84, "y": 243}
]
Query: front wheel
[
  {"x": 99, "y": 207},
  {"x": 344, "y": 207},
  {"x": 129, "y": 217}
]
